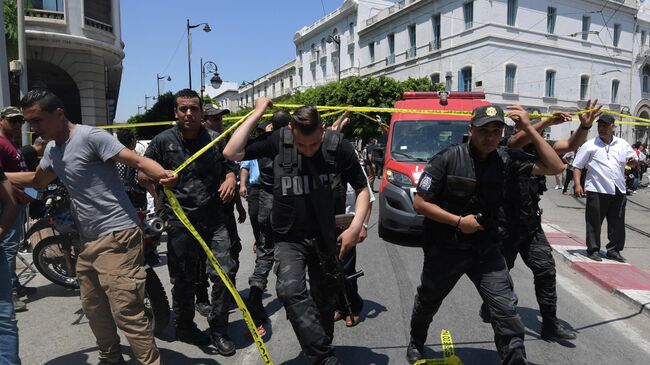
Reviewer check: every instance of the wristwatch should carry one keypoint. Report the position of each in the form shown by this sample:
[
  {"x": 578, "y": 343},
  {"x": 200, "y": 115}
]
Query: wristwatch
[
  {"x": 364, "y": 225},
  {"x": 585, "y": 128}
]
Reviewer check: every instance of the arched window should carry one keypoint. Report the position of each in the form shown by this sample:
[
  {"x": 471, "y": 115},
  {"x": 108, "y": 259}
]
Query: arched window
[
  {"x": 511, "y": 73},
  {"x": 435, "y": 78}
]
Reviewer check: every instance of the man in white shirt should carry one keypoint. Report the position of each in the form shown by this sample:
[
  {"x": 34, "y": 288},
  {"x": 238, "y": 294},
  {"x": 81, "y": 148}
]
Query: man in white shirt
[{"x": 605, "y": 158}]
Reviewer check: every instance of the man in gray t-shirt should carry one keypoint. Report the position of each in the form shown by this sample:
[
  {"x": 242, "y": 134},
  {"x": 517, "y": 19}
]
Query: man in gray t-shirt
[
  {"x": 85, "y": 166},
  {"x": 110, "y": 264}
]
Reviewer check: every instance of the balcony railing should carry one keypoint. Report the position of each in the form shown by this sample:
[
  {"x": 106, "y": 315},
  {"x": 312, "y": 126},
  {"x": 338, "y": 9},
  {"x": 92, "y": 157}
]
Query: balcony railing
[
  {"x": 390, "y": 59},
  {"x": 45, "y": 14},
  {"x": 434, "y": 45},
  {"x": 99, "y": 25},
  {"x": 411, "y": 52}
]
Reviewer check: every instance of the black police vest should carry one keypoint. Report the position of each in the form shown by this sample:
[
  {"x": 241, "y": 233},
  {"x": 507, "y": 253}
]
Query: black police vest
[
  {"x": 523, "y": 195},
  {"x": 464, "y": 193},
  {"x": 296, "y": 186}
]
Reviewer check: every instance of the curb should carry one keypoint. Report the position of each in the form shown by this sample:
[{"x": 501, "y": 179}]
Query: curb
[{"x": 623, "y": 280}]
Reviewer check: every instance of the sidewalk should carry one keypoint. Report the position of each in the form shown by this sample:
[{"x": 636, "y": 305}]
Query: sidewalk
[{"x": 563, "y": 222}]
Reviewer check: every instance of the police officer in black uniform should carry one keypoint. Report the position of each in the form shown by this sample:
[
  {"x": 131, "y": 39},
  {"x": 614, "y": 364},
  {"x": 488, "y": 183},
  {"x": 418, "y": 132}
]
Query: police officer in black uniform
[
  {"x": 459, "y": 193},
  {"x": 264, "y": 254},
  {"x": 522, "y": 227},
  {"x": 201, "y": 188},
  {"x": 309, "y": 164}
]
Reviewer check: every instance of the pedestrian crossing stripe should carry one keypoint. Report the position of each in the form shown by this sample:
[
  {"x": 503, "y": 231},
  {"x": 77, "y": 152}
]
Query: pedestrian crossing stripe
[{"x": 449, "y": 356}]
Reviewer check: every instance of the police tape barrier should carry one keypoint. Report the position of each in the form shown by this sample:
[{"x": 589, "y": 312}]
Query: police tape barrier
[
  {"x": 358, "y": 109},
  {"x": 449, "y": 356},
  {"x": 178, "y": 211}
]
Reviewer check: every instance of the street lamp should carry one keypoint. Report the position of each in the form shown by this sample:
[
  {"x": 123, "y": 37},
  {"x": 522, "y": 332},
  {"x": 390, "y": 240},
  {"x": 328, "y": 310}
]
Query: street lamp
[
  {"x": 158, "y": 78},
  {"x": 145, "y": 101},
  {"x": 336, "y": 39},
  {"x": 215, "y": 80},
  {"x": 206, "y": 28},
  {"x": 244, "y": 83},
  {"x": 140, "y": 107}
]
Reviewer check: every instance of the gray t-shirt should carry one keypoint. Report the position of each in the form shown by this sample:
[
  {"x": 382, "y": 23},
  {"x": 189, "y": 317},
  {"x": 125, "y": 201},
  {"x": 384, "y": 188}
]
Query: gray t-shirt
[{"x": 84, "y": 165}]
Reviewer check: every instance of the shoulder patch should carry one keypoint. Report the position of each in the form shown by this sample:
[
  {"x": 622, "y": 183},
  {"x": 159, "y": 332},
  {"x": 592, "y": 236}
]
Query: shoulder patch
[{"x": 425, "y": 182}]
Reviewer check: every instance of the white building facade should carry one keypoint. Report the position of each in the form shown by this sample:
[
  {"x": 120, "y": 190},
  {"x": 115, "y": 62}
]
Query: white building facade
[
  {"x": 543, "y": 54},
  {"x": 75, "y": 48}
]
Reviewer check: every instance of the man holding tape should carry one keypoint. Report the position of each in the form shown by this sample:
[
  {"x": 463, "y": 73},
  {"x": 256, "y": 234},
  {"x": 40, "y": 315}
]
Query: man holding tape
[
  {"x": 458, "y": 193},
  {"x": 309, "y": 164},
  {"x": 110, "y": 265},
  {"x": 521, "y": 227},
  {"x": 200, "y": 194}
]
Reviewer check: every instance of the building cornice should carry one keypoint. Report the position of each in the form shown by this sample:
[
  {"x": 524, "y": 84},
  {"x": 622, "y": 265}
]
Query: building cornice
[
  {"x": 344, "y": 10},
  {"x": 60, "y": 40}
]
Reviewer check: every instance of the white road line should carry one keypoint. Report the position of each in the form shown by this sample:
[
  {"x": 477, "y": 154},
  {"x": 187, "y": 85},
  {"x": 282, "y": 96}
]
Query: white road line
[{"x": 623, "y": 328}]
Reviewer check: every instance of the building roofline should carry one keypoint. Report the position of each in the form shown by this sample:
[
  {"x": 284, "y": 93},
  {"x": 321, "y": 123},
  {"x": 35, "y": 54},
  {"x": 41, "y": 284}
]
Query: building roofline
[{"x": 344, "y": 9}]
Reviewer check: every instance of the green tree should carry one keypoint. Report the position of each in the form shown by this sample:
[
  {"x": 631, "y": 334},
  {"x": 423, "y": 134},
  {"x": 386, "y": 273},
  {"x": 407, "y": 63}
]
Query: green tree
[
  {"x": 380, "y": 92},
  {"x": 10, "y": 10},
  {"x": 161, "y": 111}
]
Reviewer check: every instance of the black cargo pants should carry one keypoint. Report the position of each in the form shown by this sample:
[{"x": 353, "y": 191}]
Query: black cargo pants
[
  {"x": 536, "y": 252},
  {"x": 443, "y": 267},
  {"x": 311, "y": 313}
]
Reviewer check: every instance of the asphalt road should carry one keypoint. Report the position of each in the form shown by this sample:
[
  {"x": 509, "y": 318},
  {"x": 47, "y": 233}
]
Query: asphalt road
[{"x": 55, "y": 332}]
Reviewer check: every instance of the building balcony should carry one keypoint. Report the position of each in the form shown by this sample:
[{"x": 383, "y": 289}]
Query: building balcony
[
  {"x": 45, "y": 14},
  {"x": 93, "y": 23},
  {"x": 411, "y": 53}
]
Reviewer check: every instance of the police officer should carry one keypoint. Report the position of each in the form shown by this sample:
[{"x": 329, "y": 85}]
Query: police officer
[
  {"x": 212, "y": 120},
  {"x": 264, "y": 253},
  {"x": 309, "y": 164},
  {"x": 458, "y": 193},
  {"x": 522, "y": 227},
  {"x": 200, "y": 192}
]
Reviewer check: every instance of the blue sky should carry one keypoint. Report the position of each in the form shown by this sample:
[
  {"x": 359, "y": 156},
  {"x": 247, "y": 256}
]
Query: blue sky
[{"x": 248, "y": 39}]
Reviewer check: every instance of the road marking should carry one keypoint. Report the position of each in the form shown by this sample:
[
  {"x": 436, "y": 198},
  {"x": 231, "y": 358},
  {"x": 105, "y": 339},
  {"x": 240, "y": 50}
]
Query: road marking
[{"x": 623, "y": 328}]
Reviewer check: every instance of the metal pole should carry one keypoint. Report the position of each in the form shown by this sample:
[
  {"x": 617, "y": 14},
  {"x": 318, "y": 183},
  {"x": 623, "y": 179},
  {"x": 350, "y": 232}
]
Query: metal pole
[
  {"x": 22, "y": 57},
  {"x": 158, "y": 84},
  {"x": 339, "y": 44},
  {"x": 5, "y": 95},
  {"x": 189, "y": 51},
  {"x": 202, "y": 78}
]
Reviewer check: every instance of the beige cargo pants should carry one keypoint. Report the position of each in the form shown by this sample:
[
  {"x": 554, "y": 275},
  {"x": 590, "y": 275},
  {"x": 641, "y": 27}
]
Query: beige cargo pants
[{"x": 111, "y": 279}]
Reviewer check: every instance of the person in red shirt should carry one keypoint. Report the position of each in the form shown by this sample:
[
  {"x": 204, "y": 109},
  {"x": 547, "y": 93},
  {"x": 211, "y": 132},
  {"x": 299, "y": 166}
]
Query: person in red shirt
[{"x": 11, "y": 120}]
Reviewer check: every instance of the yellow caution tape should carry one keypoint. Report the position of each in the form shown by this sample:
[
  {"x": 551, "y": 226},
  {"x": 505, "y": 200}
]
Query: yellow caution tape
[
  {"x": 135, "y": 125},
  {"x": 211, "y": 144},
  {"x": 176, "y": 207},
  {"x": 178, "y": 211},
  {"x": 449, "y": 356}
]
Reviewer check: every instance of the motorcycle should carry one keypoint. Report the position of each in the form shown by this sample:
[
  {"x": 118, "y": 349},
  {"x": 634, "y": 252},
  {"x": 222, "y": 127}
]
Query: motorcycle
[{"x": 55, "y": 256}]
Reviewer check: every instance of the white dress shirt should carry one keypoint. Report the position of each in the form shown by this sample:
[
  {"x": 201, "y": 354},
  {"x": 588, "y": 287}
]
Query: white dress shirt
[{"x": 605, "y": 164}]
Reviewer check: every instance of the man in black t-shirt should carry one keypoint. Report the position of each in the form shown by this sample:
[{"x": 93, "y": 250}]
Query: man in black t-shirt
[
  {"x": 459, "y": 194},
  {"x": 309, "y": 165},
  {"x": 264, "y": 253}
]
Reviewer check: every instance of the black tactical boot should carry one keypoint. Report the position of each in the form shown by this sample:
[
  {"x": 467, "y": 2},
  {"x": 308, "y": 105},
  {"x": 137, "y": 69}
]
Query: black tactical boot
[
  {"x": 552, "y": 330},
  {"x": 413, "y": 353}
]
